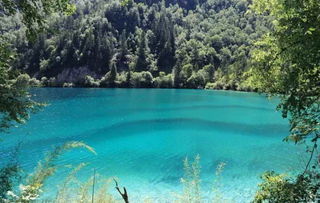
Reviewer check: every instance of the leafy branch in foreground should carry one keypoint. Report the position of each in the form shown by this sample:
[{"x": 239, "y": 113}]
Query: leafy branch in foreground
[
  {"x": 15, "y": 100},
  {"x": 35, "y": 12},
  {"x": 286, "y": 63}
]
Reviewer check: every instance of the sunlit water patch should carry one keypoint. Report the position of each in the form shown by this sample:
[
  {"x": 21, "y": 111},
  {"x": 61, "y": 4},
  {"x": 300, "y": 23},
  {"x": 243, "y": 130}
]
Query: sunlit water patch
[{"x": 142, "y": 136}]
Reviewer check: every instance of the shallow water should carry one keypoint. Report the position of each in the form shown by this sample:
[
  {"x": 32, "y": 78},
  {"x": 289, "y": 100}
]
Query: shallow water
[{"x": 142, "y": 136}]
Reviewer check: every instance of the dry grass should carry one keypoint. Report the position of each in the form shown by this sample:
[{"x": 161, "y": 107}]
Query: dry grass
[{"x": 74, "y": 191}]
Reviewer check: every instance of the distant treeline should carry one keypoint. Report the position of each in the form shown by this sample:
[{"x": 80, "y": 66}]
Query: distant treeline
[{"x": 145, "y": 43}]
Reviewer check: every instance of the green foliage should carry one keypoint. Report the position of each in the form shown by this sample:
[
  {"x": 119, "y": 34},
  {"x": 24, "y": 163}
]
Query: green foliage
[
  {"x": 221, "y": 81},
  {"x": 174, "y": 37},
  {"x": 142, "y": 63},
  {"x": 187, "y": 70},
  {"x": 34, "y": 13},
  {"x": 91, "y": 82},
  {"x": 287, "y": 62},
  {"x": 208, "y": 72},
  {"x": 210, "y": 85},
  {"x": 109, "y": 80},
  {"x": 15, "y": 101},
  {"x": 126, "y": 2},
  {"x": 141, "y": 79},
  {"x": 279, "y": 188},
  {"x": 163, "y": 81},
  {"x": 196, "y": 80},
  {"x": 177, "y": 77}
]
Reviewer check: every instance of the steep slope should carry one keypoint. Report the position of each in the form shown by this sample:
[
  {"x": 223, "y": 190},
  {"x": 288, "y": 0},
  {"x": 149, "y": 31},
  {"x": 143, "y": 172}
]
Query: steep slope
[{"x": 187, "y": 44}]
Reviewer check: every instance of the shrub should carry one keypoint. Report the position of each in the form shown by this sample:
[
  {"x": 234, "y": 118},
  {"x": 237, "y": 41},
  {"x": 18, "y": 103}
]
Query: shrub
[
  {"x": 196, "y": 81},
  {"x": 33, "y": 82},
  {"x": 280, "y": 188},
  {"x": 210, "y": 85},
  {"x": 44, "y": 64},
  {"x": 187, "y": 70},
  {"x": 68, "y": 84},
  {"x": 23, "y": 80},
  {"x": 207, "y": 72},
  {"x": 122, "y": 79},
  {"x": 44, "y": 81},
  {"x": 91, "y": 82},
  {"x": 163, "y": 81},
  {"x": 109, "y": 80},
  {"x": 141, "y": 79}
]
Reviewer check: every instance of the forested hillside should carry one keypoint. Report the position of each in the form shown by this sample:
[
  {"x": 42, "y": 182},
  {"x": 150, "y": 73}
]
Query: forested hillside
[{"x": 145, "y": 43}]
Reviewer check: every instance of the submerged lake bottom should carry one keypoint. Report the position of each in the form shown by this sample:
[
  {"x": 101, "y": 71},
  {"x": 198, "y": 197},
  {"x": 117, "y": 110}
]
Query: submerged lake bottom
[{"x": 142, "y": 136}]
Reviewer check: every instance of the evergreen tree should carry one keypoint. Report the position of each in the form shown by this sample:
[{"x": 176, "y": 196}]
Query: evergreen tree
[
  {"x": 123, "y": 44},
  {"x": 177, "y": 80},
  {"x": 113, "y": 75},
  {"x": 142, "y": 63},
  {"x": 128, "y": 79},
  {"x": 122, "y": 58},
  {"x": 110, "y": 79},
  {"x": 166, "y": 42}
]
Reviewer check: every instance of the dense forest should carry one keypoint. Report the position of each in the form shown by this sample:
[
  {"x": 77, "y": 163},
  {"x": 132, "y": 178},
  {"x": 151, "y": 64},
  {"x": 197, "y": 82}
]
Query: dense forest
[{"x": 181, "y": 44}]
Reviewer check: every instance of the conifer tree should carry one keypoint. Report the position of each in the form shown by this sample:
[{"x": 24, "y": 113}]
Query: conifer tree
[
  {"x": 113, "y": 75},
  {"x": 123, "y": 53},
  {"x": 142, "y": 63}
]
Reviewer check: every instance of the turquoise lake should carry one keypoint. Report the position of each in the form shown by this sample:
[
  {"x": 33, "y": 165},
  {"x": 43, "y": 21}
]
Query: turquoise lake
[{"x": 142, "y": 136}]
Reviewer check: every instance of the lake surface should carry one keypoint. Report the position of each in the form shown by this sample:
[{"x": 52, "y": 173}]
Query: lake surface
[{"x": 142, "y": 136}]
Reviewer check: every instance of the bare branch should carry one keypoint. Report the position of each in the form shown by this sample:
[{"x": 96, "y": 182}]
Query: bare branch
[{"x": 124, "y": 195}]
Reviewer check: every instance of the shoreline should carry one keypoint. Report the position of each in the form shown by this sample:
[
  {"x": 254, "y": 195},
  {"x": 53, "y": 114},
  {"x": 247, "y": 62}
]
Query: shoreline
[{"x": 171, "y": 88}]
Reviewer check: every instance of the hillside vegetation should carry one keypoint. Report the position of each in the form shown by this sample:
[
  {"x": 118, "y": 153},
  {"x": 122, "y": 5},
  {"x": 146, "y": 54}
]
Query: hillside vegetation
[{"x": 146, "y": 43}]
